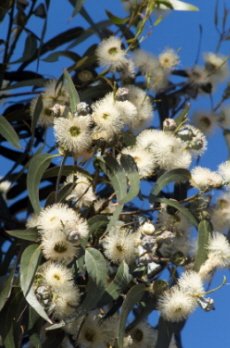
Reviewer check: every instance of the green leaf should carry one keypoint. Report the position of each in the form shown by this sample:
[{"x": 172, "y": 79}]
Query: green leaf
[
  {"x": 61, "y": 195},
  {"x": 114, "y": 217},
  {"x": 74, "y": 97},
  {"x": 204, "y": 233},
  {"x": 120, "y": 281},
  {"x": 116, "y": 175},
  {"x": 89, "y": 32},
  {"x": 178, "y": 5},
  {"x": 174, "y": 175},
  {"x": 29, "y": 262},
  {"x": 8, "y": 133},
  {"x": 37, "y": 166},
  {"x": 97, "y": 224},
  {"x": 36, "y": 114},
  {"x": 6, "y": 290},
  {"x": 97, "y": 270},
  {"x": 53, "y": 57},
  {"x": 96, "y": 266},
  {"x": 133, "y": 296},
  {"x": 166, "y": 330},
  {"x": 53, "y": 43},
  {"x": 30, "y": 47},
  {"x": 32, "y": 300},
  {"x": 77, "y": 7},
  {"x": 30, "y": 234},
  {"x": 173, "y": 203},
  {"x": 131, "y": 171},
  {"x": 182, "y": 117},
  {"x": 116, "y": 20}
]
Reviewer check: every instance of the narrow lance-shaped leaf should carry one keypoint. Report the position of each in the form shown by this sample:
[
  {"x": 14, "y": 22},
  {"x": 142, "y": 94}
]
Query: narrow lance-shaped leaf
[
  {"x": 133, "y": 177},
  {"x": 178, "y": 5},
  {"x": 29, "y": 262},
  {"x": 8, "y": 133},
  {"x": 28, "y": 266},
  {"x": 37, "y": 166},
  {"x": 115, "y": 19},
  {"x": 173, "y": 203},
  {"x": 181, "y": 118},
  {"x": 6, "y": 290},
  {"x": 36, "y": 114},
  {"x": 204, "y": 233},
  {"x": 30, "y": 47},
  {"x": 78, "y": 6},
  {"x": 133, "y": 296},
  {"x": 117, "y": 177},
  {"x": 166, "y": 330},
  {"x": 32, "y": 300},
  {"x": 120, "y": 281},
  {"x": 73, "y": 95},
  {"x": 30, "y": 234},
  {"x": 174, "y": 175},
  {"x": 53, "y": 57},
  {"x": 97, "y": 270}
]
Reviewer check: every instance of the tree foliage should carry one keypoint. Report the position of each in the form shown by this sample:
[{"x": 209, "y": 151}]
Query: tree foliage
[{"x": 92, "y": 220}]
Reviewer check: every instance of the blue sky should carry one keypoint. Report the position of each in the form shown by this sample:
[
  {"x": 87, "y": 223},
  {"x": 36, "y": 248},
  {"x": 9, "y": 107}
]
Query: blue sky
[{"x": 179, "y": 30}]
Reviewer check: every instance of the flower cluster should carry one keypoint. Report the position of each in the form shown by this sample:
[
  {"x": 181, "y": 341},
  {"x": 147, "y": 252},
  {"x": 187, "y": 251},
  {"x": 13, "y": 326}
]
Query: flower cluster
[{"x": 94, "y": 216}]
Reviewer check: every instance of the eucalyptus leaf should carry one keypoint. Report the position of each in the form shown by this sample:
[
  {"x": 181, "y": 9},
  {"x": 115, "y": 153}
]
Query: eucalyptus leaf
[
  {"x": 120, "y": 281},
  {"x": 53, "y": 57},
  {"x": 116, "y": 175},
  {"x": 173, "y": 203},
  {"x": 6, "y": 290},
  {"x": 204, "y": 232},
  {"x": 37, "y": 166},
  {"x": 97, "y": 223},
  {"x": 30, "y": 47},
  {"x": 32, "y": 300},
  {"x": 174, "y": 175},
  {"x": 133, "y": 296},
  {"x": 8, "y": 133},
  {"x": 74, "y": 97},
  {"x": 29, "y": 234},
  {"x": 177, "y": 5},
  {"x": 29, "y": 262},
  {"x": 115, "y": 19},
  {"x": 131, "y": 171},
  {"x": 97, "y": 270},
  {"x": 182, "y": 117}
]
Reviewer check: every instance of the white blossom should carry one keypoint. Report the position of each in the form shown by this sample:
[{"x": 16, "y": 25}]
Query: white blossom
[
  {"x": 110, "y": 53},
  {"x": 176, "y": 305},
  {"x": 73, "y": 134}
]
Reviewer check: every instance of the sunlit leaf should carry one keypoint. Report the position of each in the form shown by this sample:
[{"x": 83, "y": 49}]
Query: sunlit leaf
[
  {"x": 177, "y": 5},
  {"x": 131, "y": 172},
  {"x": 74, "y": 97},
  {"x": 182, "y": 117},
  {"x": 115, "y": 19},
  {"x": 204, "y": 232},
  {"x": 8, "y": 133}
]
